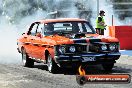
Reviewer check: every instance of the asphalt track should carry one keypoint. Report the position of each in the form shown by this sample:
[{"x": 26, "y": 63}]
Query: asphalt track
[{"x": 17, "y": 76}]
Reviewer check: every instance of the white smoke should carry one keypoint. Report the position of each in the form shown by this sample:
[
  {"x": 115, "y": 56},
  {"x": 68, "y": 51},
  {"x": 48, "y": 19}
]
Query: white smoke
[
  {"x": 25, "y": 22},
  {"x": 65, "y": 8},
  {"x": 8, "y": 36}
]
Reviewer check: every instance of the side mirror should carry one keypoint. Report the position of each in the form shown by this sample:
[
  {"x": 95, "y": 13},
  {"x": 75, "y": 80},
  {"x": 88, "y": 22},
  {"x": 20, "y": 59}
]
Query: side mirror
[
  {"x": 28, "y": 33},
  {"x": 23, "y": 33}
]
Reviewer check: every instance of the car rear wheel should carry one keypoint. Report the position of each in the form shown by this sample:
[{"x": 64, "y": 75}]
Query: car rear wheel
[
  {"x": 27, "y": 62},
  {"x": 108, "y": 67},
  {"x": 52, "y": 66}
]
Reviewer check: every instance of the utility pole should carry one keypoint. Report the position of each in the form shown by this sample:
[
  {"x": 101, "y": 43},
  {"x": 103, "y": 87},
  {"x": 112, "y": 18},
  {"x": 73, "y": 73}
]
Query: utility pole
[{"x": 97, "y": 7}]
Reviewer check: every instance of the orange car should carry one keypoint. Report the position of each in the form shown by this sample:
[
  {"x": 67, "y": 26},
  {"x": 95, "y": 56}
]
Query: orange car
[{"x": 67, "y": 42}]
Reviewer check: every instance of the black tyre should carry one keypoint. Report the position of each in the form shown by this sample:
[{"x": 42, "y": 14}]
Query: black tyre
[
  {"x": 52, "y": 66},
  {"x": 27, "y": 62},
  {"x": 108, "y": 67},
  {"x": 75, "y": 69}
]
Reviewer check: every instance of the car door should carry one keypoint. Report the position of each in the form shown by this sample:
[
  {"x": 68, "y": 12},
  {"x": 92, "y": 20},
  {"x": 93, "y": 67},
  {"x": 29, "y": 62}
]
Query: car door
[
  {"x": 26, "y": 40},
  {"x": 32, "y": 38},
  {"x": 38, "y": 50}
]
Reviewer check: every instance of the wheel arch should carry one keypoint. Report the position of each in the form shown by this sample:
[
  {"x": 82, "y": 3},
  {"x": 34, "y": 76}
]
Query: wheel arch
[
  {"x": 22, "y": 48},
  {"x": 47, "y": 52}
]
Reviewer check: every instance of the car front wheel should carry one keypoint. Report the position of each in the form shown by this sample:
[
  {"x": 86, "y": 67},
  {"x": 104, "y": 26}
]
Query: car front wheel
[
  {"x": 108, "y": 67},
  {"x": 27, "y": 62},
  {"x": 52, "y": 66}
]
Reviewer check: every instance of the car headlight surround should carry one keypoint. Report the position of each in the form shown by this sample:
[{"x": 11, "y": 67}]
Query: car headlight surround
[
  {"x": 72, "y": 49},
  {"x": 112, "y": 47},
  {"x": 103, "y": 47},
  {"x": 62, "y": 49}
]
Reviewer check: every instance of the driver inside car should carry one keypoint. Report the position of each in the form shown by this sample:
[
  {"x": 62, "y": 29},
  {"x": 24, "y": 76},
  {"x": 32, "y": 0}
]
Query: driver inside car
[{"x": 38, "y": 34}]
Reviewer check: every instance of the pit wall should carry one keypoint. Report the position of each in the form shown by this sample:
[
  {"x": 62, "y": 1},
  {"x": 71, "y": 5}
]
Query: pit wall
[{"x": 124, "y": 34}]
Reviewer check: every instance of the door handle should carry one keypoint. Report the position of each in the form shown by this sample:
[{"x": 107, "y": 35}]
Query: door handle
[
  {"x": 25, "y": 37},
  {"x": 27, "y": 43},
  {"x": 36, "y": 44}
]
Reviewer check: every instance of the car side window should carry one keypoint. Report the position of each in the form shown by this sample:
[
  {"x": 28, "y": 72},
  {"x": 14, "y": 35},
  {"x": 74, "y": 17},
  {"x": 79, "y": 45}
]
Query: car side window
[
  {"x": 39, "y": 31},
  {"x": 34, "y": 29},
  {"x": 40, "y": 28}
]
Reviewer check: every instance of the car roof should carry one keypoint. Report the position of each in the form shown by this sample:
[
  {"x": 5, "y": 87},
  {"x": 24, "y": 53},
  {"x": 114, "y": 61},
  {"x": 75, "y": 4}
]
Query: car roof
[{"x": 60, "y": 20}]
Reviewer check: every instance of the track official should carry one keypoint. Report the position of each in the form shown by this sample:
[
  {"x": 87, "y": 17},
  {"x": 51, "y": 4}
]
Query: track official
[{"x": 100, "y": 23}]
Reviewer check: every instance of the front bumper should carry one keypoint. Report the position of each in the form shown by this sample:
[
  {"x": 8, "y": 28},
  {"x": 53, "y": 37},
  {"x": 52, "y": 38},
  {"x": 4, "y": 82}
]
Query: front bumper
[{"x": 95, "y": 58}]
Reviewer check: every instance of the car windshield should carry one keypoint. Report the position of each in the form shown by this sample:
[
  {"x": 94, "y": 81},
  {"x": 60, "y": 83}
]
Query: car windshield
[{"x": 68, "y": 28}]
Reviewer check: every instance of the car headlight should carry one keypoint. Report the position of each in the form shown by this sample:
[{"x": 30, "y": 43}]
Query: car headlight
[
  {"x": 62, "y": 49},
  {"x": 112, "y": 47},
  {"x": 103, "y": 47},
  {"x": 72, "y": 49}
]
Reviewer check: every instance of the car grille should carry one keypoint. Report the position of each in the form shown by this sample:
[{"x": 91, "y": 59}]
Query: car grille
[
  {"x": 85, "y": 48},
  {"x": 81, "y": 48}
]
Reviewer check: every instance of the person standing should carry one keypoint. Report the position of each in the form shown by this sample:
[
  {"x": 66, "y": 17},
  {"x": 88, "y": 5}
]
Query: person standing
[{"x": 100, "y": 23}]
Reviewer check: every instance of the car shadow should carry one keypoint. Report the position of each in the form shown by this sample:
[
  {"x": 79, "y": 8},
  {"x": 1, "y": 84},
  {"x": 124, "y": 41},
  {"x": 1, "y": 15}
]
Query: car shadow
[
  {"x": 40, "y": 66},
  {"x": 91, "y": 69}
]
